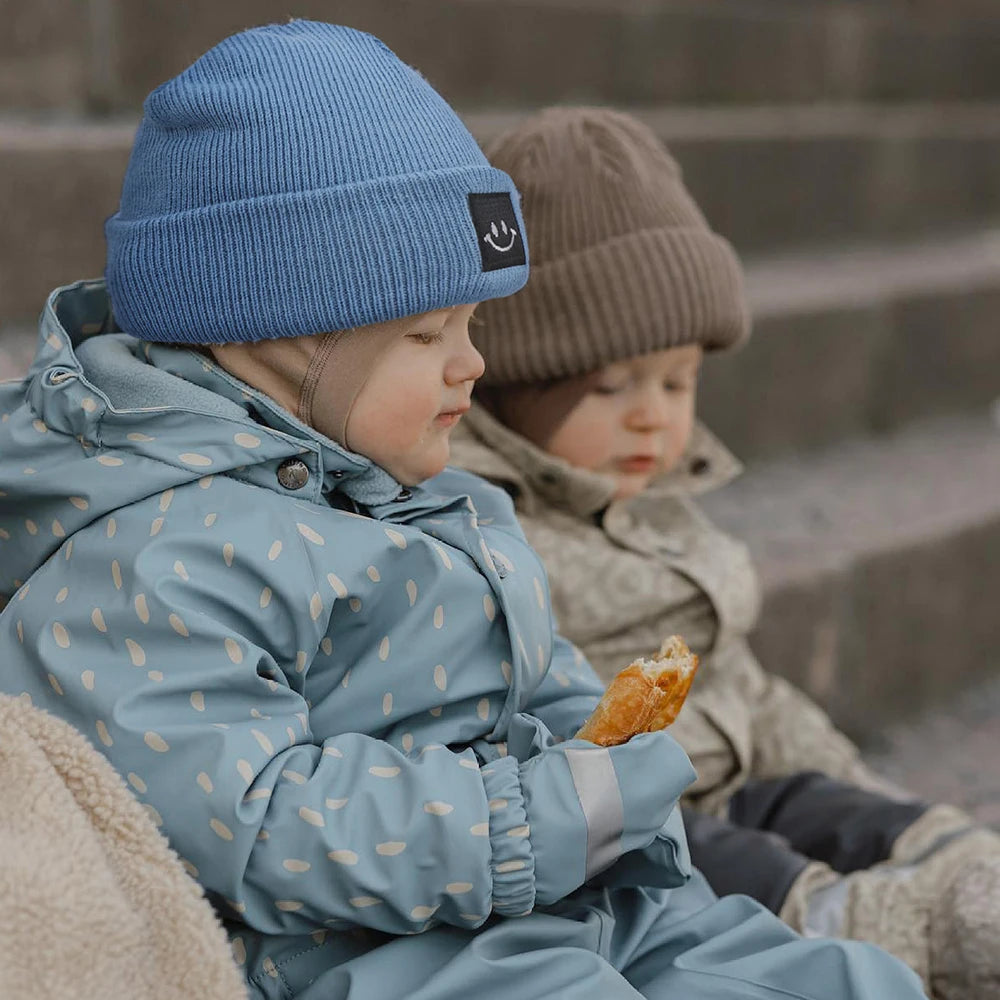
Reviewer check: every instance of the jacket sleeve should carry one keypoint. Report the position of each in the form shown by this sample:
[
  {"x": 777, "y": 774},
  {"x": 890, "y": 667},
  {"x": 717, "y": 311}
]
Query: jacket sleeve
[{"x": 163, "y": 659}]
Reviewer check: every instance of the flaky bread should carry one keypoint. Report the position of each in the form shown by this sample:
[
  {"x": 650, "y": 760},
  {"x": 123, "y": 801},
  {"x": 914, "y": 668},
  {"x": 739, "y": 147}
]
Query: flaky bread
[{"x": 644, "y": 697}]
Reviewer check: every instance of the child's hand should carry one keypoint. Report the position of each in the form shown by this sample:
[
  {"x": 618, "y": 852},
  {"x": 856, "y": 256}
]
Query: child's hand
[{"x": 587, "y": 806}]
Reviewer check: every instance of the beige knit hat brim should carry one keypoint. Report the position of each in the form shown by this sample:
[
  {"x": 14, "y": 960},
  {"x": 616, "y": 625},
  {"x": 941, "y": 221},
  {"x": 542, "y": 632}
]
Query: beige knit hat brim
[{"x": 646, "y": 291}]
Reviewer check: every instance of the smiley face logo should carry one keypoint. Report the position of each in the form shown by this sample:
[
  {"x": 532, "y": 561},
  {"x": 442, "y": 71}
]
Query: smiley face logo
[{"x": 496, "y": 236}]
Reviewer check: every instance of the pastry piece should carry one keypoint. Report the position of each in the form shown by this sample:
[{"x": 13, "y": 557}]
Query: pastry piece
[{"x": 644, "y": 697}]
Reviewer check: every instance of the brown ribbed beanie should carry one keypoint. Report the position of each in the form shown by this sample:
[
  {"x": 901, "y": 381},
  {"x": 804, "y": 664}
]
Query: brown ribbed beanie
[{"x": 623, "y": 262}]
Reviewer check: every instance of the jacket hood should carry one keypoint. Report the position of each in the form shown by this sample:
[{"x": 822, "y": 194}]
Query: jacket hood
[
  {"x": 488, "y": 448},
  {"x": 103, "y": 420}
]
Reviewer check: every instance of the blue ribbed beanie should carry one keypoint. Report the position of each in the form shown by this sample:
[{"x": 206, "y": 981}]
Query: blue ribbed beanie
[{"x": 300, "y": 178}]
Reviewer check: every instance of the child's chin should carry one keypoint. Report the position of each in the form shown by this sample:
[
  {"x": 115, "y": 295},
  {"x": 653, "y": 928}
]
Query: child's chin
[{"x": 631, "y": 486}]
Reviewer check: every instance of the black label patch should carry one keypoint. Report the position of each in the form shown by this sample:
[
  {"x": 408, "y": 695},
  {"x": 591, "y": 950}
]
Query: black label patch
[{"x": 501, "y": 243}]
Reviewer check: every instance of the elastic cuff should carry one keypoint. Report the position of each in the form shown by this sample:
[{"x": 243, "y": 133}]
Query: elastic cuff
[{"x": 513, "y": 862}]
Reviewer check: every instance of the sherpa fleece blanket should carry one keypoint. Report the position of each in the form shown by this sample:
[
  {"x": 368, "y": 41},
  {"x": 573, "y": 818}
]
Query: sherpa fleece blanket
[{"x": 93, "y": 902}]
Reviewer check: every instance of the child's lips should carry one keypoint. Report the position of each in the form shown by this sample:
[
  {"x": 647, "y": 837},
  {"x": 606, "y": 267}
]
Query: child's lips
[
  {"x": 638, "y": 463},
  {"x": 448, "y": 418}
]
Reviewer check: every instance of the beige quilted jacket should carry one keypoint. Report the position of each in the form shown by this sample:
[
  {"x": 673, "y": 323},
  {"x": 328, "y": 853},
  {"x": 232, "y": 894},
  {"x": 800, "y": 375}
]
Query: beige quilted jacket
[{"x": 625, "y": 574}]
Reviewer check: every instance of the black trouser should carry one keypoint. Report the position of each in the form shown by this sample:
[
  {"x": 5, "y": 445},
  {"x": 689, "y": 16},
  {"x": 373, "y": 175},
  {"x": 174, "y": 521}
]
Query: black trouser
[{"x": 777, "y": 826}]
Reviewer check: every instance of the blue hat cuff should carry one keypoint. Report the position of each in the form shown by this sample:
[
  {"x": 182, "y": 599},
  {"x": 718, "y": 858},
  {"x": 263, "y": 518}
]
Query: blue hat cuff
[{"x": 305, "y": 262}]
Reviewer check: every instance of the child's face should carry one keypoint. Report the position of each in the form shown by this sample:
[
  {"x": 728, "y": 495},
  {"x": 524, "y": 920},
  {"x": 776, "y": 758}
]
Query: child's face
[
  {"x": 416, "y": 393},
  {"x": 635, "y": 420}
]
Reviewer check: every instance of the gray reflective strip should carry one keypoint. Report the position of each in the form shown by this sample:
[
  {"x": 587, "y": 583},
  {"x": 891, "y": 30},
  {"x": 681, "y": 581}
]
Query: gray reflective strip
[{"x": 601, "y": 800}]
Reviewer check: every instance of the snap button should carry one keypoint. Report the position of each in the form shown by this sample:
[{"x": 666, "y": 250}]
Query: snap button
[
  {"x": 293, "y": 473},
  {"x": 337, "y": 473},
  {"x": 402, "y": 496},
  {"x": 699, "y": 466}
]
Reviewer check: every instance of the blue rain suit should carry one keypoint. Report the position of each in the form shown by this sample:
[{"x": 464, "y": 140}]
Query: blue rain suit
[{"x": 345, "y": 702}]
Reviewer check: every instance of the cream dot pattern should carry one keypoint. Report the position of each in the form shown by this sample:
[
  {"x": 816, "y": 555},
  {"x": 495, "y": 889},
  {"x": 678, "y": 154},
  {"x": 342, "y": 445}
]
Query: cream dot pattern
[
  {"x": 154, "y": 528},
  {"x": 313, "y": 818},
  {"x": 265, "y": 597},
  {"x": 195, "y": 459},
  {"x": 156, "y": 742},
  {"x": 111, "y": 461},
  {"x": 116, "y": 574},
  {"x": 337, "y": 584},
  {"x": 295, "y": 865},
  {"x": 102, "y": 733},
  {"x": 233, "y": 650},
  {"x": 245, "y": 440},
  {"x": 97, "y": 617},
  {"x": 210, "y": 519},
  {"x": 335, "y": 803},
  {"x": 390, "y": 848},
  {"x": 383, "y": 649},
  {"x": 137, "y": 783},
  {"x": 411, "y": 591},
  {"x": 245, "y": 769},
  {"x": 87, "y": 679},
  {"x": 387, "y": 703},
  {"x": 79, "y": 503},
  {"x": 181, "y": 571},
  {"x": 423, "y": 912},
  {"x": 220, "y": 829},
  {"x": 362, "y": 901},
  {"x": 315, "y": 606},
  {"x": 228, "y": 552},
  {"x": 205, "y": 782},
  {"x": 274, "y": 551},
  {"x": 177, "y": 624},
  {"x": 396, "y": 538},
  {"x": 373, "y": 574},
  {"x": 263, "y": 741},
  {"x": 440, "y": 677},
  {"x": 458, "y": 888},
  {"x": 198, "y": 701},
  {"x": 166, "y": 498},
  {"x": 55, "y": 685},
  {"x": 343, "y": 857},
  {"x": 384, "y": 772},
  {"x": 438, "y": 808},
  {"x": 136, "y": 653},
  {"x": 62, "y": 595},
  {"x": 309, "y": 534},
  {"x": 60, "y": 635},
  {"x": 141, "y": 608},
  {"x": 58, "y": 530},
  {"x": 326, "y": 645},
  {"x": 445, "y": 558}
]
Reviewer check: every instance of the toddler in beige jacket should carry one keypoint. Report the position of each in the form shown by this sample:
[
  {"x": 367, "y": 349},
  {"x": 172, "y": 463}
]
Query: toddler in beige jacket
[{"x": 586, "y": 416}]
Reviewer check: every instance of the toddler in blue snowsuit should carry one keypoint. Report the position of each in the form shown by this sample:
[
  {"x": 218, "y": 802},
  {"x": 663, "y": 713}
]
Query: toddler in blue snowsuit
[{"x": 326, "y": 664}]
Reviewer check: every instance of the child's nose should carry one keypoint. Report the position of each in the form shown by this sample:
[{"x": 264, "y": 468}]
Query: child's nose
[
  {"x": 651, "y": 411},
  {"x": 466, "y": 366}
]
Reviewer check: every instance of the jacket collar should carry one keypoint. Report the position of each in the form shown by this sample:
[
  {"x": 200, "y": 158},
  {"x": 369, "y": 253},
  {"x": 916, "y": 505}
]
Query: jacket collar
[{"x": 488, "y": 448}]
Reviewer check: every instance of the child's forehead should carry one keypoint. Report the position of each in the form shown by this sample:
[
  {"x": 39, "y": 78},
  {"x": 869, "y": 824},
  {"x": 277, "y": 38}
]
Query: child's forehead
[{"x": 669, "y": 359}]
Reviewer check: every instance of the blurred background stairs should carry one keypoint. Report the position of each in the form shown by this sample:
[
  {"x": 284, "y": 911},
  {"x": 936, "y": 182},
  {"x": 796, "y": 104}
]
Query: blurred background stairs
[{"x": 850, "y": 149}]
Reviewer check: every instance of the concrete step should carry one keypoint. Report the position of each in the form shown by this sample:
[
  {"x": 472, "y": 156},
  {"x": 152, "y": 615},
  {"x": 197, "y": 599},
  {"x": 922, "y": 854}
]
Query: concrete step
[
  {"x": 782, "y": 176},
  {"x": 880, "y": 562},
  {"x": 857, "y": 341},
  {"x": 766, "y": 177},
  {"x": 948, "y": 751},
  {"x": 110, "y": 53}
]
